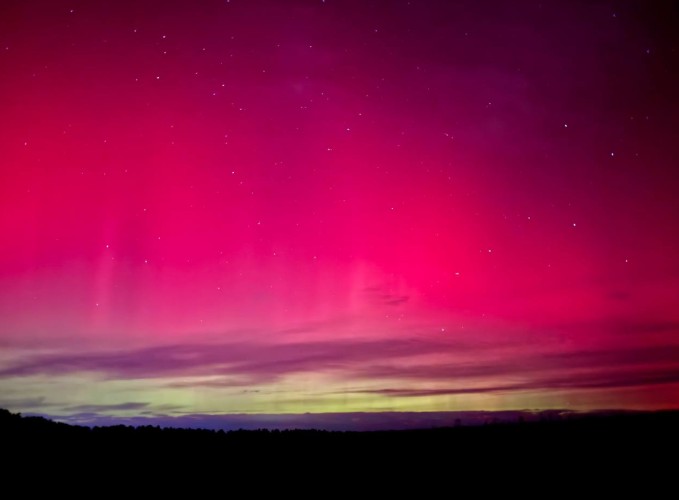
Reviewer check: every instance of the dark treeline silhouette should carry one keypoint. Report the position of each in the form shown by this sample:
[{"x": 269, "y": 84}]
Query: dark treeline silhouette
[
  {"x": 593, "y": 443},
  {"x": 593, "y": 430}
]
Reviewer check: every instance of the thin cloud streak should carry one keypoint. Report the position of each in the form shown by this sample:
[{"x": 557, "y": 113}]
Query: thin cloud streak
[
  {"x": 261, "y": 360},
  {"x": 249, "y": 364},
  {"x": 583, "y": 381},
  {"x": 350, "y": 421}
]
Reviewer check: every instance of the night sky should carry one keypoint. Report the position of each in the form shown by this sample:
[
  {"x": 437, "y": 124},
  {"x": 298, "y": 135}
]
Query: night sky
[{"x": 273, "y": 207}]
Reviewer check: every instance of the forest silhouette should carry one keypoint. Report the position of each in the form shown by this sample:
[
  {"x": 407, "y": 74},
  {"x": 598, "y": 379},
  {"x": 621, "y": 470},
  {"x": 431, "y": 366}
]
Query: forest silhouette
[{"x": 611, "y": 439}]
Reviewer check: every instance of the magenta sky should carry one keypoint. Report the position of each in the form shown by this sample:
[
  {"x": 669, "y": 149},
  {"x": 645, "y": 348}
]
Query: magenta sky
[{"x": 308, "y": 206}]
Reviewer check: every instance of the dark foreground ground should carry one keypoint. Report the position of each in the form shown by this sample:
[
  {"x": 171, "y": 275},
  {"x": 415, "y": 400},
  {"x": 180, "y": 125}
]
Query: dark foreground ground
[{"x": 615, "y": 450}]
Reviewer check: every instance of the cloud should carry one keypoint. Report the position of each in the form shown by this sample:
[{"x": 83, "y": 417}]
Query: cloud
[
  {"x": 25, "y": 403},
  {"x": 382, "y": 294},
  {"x": 243, "y": 364},
  {"x": 86, "y": 410},
  {"x": 604, "y": 380},
  {"x": 355, "y": 421},
  {"x": 395, "y": 300},
  {"x": 528, "y": 364},
  {"x": 668, "y": 353},
  {"x": 113, "y": 407},
  {"x": 648, "y": 327},
  {"x": 248, "y": 363},
  {"x": 666, "y": 327}
]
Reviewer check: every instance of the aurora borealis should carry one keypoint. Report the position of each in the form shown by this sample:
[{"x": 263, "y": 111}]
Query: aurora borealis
[{"x": 336, "y": 206}]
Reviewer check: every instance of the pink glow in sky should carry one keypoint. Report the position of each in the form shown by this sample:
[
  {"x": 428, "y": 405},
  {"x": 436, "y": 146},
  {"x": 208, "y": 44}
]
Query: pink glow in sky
[{"x": 307, "y": 206}]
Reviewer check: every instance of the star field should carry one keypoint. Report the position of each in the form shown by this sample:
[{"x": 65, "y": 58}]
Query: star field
[{"x": 328, "y": 206}]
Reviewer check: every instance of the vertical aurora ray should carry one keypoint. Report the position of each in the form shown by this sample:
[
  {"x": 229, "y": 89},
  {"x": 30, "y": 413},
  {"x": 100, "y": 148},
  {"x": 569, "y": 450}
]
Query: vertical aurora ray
[{"x": 329, "y": 206}]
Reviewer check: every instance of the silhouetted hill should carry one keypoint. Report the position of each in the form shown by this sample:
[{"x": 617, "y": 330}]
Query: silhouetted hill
[{"x": 591, "y": 444}]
